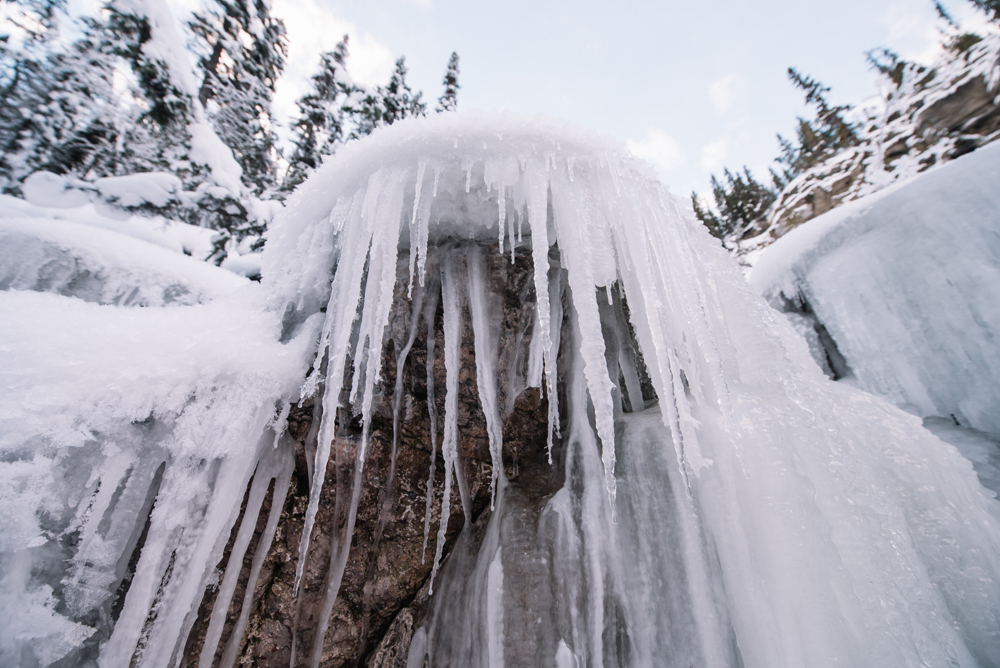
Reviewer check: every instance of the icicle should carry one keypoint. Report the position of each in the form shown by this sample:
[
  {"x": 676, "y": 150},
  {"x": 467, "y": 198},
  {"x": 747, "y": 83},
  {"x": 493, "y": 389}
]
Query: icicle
[
  {"x": 449, "y": 446},
  {"x": 430, "y": 314},
  {"x": 502, "y": 205},
  {"x": 510, "y": 226},
  {"x": 486, "y": 363},
  {"x": 340, "y": 315},
  {"x": 282, "y": 478},
  {"x": 494, "y": 610},
  {"x": 536, "y": 189},
  {"x": 569, "y": 209},
  {"x": 276, "y": 465},
  {"x": 418, "y": 247}
]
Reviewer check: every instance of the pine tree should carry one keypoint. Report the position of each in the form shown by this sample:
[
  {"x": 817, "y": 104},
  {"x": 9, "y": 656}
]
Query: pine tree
[
  {"x": 319, "y": 129},
  {"x": 991, "y": 7},
  {"x": 248, "y": 49},
  {"x": 58, "y": 108},
  {"x": 741, "y": 203},
  {"x": 818, "y": 139},
  {"x": 385, "y": 105},
  {"x": 449, "y": 100}
]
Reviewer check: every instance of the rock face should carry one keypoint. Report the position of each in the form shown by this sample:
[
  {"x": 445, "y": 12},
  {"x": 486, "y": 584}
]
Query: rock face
[
  {"x": 931, "y": 115},
  {"x": 385, "y": 588}
]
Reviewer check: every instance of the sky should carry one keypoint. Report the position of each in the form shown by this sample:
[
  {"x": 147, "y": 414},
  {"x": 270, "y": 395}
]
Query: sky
[{"x": 692, "y": 87}]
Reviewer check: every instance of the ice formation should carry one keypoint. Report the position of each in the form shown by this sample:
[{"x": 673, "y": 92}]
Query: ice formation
[
  {"x": 752, "y": 513},
  {"x": 907, "y": 285}
]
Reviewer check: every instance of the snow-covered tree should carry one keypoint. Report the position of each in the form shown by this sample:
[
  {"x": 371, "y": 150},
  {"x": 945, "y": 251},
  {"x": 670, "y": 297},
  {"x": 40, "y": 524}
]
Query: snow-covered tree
[
  {"x": 57, "y": 107},
  {"x": 449, "y": 99},
  {"x": 819, "y": 138},
  {"x": 386, "y": 105},
  {"x": 740, "y": 203},
  {"x": 319, "y": 129},
  {"x": 245, "y": 56}
]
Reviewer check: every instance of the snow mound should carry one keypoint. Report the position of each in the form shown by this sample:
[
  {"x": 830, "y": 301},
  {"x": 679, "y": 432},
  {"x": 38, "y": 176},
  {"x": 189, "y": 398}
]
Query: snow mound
[
  {"x": 907, "y": 284},
  {"x": 103, "y": 266}
]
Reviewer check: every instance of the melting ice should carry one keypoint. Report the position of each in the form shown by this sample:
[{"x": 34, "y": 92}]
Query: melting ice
[{"x": 724, "y": 504}]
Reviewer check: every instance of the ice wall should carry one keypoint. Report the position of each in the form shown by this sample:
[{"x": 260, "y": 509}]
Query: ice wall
[
  {"x": 753, "y": 514},
  {"x": 127, "y": 437},
  {"x": 817, "y": 524},
  {"x": 907, "y": 283}
]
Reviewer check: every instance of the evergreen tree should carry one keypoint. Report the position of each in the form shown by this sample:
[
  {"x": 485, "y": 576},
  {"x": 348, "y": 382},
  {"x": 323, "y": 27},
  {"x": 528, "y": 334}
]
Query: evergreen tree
[
  {"x": 991, "y": 7},
  {"x": 385, "y": 105},
  {"x": 741, "y": 203},
  {"x": 76, "y": 119},
  {"x": 818, "y": 139},
  {"x": 319, "y": 129},
  {"x": 248, "y": 49},
  {"x": 449, "y": 100}
]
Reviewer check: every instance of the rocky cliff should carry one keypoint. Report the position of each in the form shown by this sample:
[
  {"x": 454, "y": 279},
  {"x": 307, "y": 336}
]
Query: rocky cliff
[
  {"x": 384, "y": 592},
  {"x": 928, "y": 115}
]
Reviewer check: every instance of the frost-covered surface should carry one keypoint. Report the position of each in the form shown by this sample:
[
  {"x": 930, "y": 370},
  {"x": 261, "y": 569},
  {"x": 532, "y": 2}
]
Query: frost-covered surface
[
  {"x": 172, "y": 235},
  {"x": 908, "y": 285},
  {"x": 103, "y": 266},
  {"x": 106, "y": 409},
  {"x": 799, "y": 522},
  {"x": 824, "y": 526}
]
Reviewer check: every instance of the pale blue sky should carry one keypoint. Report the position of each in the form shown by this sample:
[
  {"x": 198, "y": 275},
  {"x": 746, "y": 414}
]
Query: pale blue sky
[{"x": 693, "y": 85}]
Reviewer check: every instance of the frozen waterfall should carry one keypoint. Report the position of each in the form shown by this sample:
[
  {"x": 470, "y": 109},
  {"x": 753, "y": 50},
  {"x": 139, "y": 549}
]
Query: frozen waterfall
[{"x": 701, "y": 494}]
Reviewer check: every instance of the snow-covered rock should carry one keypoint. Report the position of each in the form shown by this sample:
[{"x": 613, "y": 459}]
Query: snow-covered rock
[
  {"x": 928, "y": 115},
  {"x": 907, "y": 285}
]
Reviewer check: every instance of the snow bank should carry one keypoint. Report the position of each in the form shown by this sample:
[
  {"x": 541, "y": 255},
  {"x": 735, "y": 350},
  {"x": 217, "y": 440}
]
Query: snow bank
[
  {"x": 164, "y": 404},
  {"x": 103, "y": 266},
  {"x": 907, "y": 283},
  {"x": 173, "y": 235}
]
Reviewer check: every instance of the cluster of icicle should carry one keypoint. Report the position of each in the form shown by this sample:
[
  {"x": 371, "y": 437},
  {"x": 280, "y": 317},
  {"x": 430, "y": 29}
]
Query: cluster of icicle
[
  {"x": 789, "y": 505},
  {"x": 808, "y": 524}
]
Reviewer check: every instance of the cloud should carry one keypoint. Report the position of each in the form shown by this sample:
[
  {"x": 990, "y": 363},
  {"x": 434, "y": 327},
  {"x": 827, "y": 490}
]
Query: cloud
[
  {"x": 727, "y": 91},
  {"x": 713, "y": 155},
  {"x": 312, "y": 29},
  {"x": 658, "y": 148},
  {"x": 913, "y": 31}
]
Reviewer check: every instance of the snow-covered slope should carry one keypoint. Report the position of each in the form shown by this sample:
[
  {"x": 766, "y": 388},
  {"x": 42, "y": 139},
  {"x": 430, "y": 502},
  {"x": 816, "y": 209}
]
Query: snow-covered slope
[{"x": 907, "y": 285}]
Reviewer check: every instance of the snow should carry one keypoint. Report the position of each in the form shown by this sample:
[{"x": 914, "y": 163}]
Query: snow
[
  {"x": 208, "y": 149},
  {"x": 133, "y": 190},
  {"x": 176, "y": 236},
  {"x": 103, "y": 266},
  {"x": 907, "y": 284},
  {"x": 755, "y": 514}
]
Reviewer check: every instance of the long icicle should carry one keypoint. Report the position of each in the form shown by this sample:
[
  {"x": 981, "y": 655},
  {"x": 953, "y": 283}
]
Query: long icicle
[
  {"x": 486, "y": 360},
  {"x": 449, "y": 446},
  {"x": 430, "y": 313}
]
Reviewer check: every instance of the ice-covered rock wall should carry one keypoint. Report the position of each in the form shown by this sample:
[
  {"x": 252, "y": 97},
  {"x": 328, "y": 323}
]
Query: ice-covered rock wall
[
  {"x": 807, "y": 523},
  {"x": 686, "y": 486},
  {"x": 907, "y": 285}
]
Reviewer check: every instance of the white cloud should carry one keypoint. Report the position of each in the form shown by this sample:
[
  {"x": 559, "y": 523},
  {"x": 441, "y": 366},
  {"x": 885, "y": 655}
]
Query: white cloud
[
  {"x": 727, "y": 91},
  {"x": 913, "y": 31},
  {"x": 658, "y": 148},
  {"x": 312, "y": 29},
  {"x": 713, "y": 155}
]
